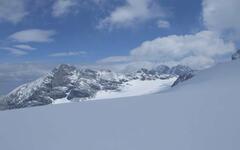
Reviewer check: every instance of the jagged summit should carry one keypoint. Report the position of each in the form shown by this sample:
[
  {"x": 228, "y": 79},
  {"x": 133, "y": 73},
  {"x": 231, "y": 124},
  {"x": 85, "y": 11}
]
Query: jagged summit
[
  {"x": 64, "y": 69},
  {"x": 163, "y": 69},
  {"x": 183, "y": 72},
  {"x": 180, "y": 70},
  {"x": 64, "y": 75}
]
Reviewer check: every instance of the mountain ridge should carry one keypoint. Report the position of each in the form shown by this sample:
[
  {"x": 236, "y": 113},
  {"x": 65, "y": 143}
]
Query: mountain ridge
[{"x": 72, "y": 84}]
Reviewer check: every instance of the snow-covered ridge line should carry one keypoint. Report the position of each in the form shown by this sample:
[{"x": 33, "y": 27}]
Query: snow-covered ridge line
[{"x": 66, "y": 83}]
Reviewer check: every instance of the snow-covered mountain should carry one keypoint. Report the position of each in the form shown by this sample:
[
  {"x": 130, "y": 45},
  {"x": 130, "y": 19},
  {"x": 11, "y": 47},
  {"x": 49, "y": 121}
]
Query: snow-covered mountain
[
  {"x": 199, "y": 114},
  {"x": 66, "y": 83}
]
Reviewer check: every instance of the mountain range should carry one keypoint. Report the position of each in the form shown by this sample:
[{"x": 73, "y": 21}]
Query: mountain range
[{"x": 66, "y": 83}]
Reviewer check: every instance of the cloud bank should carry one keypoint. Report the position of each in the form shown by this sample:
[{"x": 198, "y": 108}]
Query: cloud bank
[
  {"x": 199, "y": 51},
  {"x": 222, "y": 16}
]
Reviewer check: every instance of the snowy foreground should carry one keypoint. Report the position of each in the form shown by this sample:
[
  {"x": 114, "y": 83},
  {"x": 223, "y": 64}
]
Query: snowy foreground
[{"x": 199, "y": 114}]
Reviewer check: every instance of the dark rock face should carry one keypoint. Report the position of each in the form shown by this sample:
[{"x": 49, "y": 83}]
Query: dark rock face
[
  {"x": 80, "y": 93},
  {"x": 58, "y": 92},
  {"x": 182, "y": 78},
  {"x": 184, "y": 73},
  {"x": 65, "y": 81},
  {"x": 160, "y": 72},
  {"x": 236, "y": 55},
  {"x": 109, "y": 85},
  {"x": 61, "y": 75}
]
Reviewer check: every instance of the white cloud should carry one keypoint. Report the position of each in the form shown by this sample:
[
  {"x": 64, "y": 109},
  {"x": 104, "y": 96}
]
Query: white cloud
[
  {"x": 69, "y": 53},
  {"x": 15, "y": 51},
  {"x": 222, "y": 16},
  {"x": 25, "y": 47},
  {"x": 203, "y": 46},
  {"x": 197, "y": 62},
  {"x": 18, "y": 50},
  {"x": 125, "y": 66},
  {"x": 63, "y": 7},
  {"x": 33, "y": 35},
  {"x": 115, "y": 59},
  {"x": 163, "y": 24},
  {"x": 134, "y": 11},
  {"x": 12, "y": 10},
  {"x": 199, "y": 51}
]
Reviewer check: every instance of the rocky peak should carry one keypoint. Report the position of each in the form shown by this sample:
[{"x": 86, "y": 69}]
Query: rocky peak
[
  {"x": 145, "y": 74},
  {"x": 143, "y": 70},
  {"x": 88, "y": 73},
  {"x": 180, "y": 70},
  {"x": 236, "y": 55},
  {"x": 161, "y": 69},
  {"x": 184, "y": 73},
  {"x": 64, "y": 69},
  {"x": 64, "y": 75}
]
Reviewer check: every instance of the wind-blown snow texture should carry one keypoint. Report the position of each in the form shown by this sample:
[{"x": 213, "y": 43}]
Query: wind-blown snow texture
[{"x": 199, "y": 114}]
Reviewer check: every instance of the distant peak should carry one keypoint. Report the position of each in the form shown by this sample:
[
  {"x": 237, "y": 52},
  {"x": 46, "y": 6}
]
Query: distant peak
[
  {"x": 144, "y": 70},
  {"x": 236, "y": 55},
  {"x": 162, "y": 69},
  {"x": 64, "y": 68},
  {"x": 182, "y": 71}
]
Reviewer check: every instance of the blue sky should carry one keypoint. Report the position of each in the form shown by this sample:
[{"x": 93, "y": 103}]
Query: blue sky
[
  {"x": 89, "y": 31},
  {"x": 37, "y": 35},
  {"x": 77, "y": 30}
]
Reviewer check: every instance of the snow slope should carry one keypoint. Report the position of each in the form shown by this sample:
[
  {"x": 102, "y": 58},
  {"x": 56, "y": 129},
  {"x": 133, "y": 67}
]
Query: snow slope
[
  {"x": 199, "y": 114},
  {"x": 137, "y": 88},
  {"x": 131, "y": 88}
]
